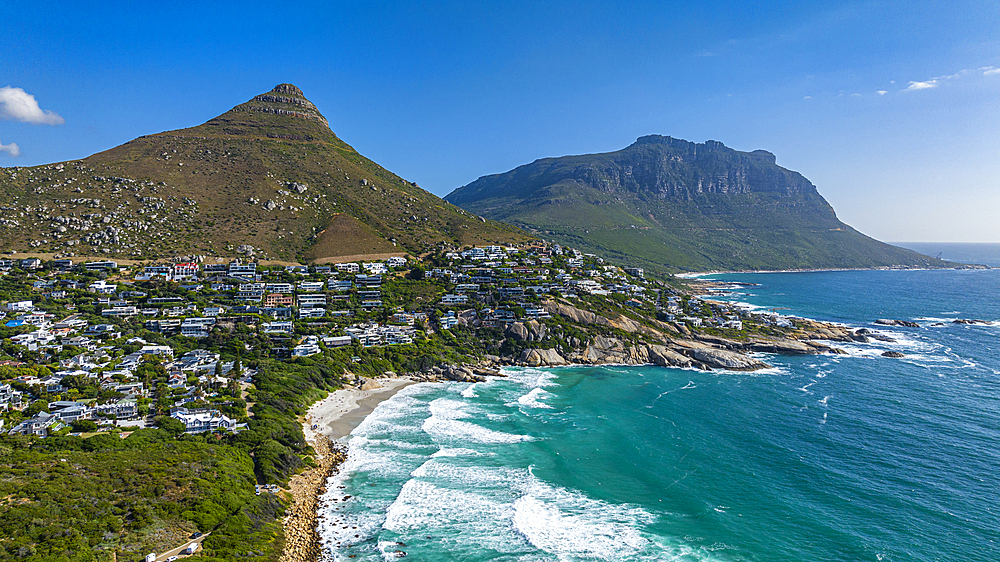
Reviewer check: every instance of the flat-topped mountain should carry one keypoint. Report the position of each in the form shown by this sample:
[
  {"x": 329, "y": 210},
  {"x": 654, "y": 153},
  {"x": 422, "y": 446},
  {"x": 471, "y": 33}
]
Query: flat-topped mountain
[
  {"x": 673, "y": 204},
  {"x": 268, "y": 174}
]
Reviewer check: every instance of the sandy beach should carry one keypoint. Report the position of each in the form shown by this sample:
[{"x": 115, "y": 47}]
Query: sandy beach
[
  {"x": 339, "y": 413},
  {"x": 326, "y": 422}
]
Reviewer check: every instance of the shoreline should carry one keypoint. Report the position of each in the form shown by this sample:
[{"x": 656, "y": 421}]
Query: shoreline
[
  {"x": 336, "y": 416},
  {"x": 699, "y": 274},
  {"x": 326, "y": 423}
]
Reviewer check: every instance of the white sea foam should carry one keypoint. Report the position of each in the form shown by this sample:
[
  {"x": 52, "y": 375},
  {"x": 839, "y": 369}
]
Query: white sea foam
[
  {"x": 532, "y": 378},
  {"x": 769, "y": 371},
  {"x": 470, "y": 392},
  {"x": 533, "y": 399},
  {"x": 459, "y": 452},
  {"x": 455, "y": 430},
  {"x": 423, "y": 505},
  {"x": 569, "y": 524},
  {"x": 445, "y": 424}
]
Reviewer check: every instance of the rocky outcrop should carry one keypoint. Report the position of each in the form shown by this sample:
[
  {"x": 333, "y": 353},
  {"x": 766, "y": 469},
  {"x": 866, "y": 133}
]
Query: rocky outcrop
[
  {"x": 469, "y": 318},
  {"x": 581, "y": 316},
  {"x": 532, "y": 330},
  {"x": 517, "y": 331},
  {"x": 901, "y": 323},
  {"x": 893, "y": 354},
  {"x": 970, "y": 321},
  {"x": 541, "y": 358},
  {"x": 724, "y": 359},
  {"x": 458, "y": 373},
  {"x": 785, "y": 346},
  {"x": 575, "y": 314},
  {"x": 664, "y": 357}
]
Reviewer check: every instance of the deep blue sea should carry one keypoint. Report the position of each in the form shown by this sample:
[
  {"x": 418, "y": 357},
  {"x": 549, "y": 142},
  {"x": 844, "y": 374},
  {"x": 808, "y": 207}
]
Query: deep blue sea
[{"x": 830, "y": 457}]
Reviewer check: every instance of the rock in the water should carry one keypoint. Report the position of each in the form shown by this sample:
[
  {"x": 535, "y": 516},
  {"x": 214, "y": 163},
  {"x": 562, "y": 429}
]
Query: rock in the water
[
  {"x": 781, "y": 345},
  {"x": 664, "y": 357},
  {"x": 893, "y": 354},
  {"x": 726, "y": 359},
  {"x": 903, "y": 323}
]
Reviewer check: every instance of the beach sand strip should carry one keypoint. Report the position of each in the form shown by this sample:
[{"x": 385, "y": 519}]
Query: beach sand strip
[{"x": 327, "y": 421}]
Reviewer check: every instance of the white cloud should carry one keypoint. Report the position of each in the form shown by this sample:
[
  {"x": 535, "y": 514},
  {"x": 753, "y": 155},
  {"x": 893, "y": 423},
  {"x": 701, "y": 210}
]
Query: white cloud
[
  {"x": 989, "y": 71},
  {"x": 921, "y": 85},
  {"x": 856, "y": 95},
  {"x": 808, "y": 98},
  {"x": 12, "y": 149},
  {"x": 18, "y": 105},
  {"x": 882, "y": 92}
]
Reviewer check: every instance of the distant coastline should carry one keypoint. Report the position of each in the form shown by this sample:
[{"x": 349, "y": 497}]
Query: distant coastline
[
  {"x": 986, "y": 253},
  {"x": 698, "y": 274}
]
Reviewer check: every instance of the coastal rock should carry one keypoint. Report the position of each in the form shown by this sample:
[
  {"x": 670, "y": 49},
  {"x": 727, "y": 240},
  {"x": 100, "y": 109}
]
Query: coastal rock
[
  {"x": 517, "y": 331},
  {"x": 784, "y": 346},
  {"x": 468, "y": 318},
  {"x": 970, "y": 322},
  {"x": 902, "y": 323},
  {"x": 541, "y": 358},
  {"x": 881, "y": 337},
  {"x": 893, "y": 354},
  {"x": 458, "y": 373},
  {"x": 665, "y": 357},
  {"x": 726, "y": 359},
  {"x": 536, "y": 329},
  {"x": 575, "y": 314},
  {"x": 720, "y": 342}
]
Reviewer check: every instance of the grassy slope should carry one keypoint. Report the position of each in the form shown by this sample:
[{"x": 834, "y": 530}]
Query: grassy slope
[
  {"x": 632, "y": 206},
  {"x": 230, "y": 167}
]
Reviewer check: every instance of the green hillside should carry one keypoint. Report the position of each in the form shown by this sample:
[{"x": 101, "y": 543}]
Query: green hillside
[
  {"x": 268, "y": 174},
  {"x": 671, "y": 204}
]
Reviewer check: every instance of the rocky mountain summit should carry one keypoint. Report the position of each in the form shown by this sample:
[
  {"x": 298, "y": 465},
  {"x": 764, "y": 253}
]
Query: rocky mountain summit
[
  {"x": 666, "y": 203},
  {"x": 267, "y": 178}
]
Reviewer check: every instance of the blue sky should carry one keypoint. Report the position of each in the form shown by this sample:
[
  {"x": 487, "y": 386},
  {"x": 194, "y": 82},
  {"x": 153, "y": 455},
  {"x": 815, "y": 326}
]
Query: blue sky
[{"x": 891, "y": 108}]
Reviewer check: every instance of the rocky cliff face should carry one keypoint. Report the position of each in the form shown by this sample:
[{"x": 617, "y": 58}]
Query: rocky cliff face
[
  {"x": 666, "y": 203},
  {"x": 667, "y": 167},
  {"x": 653, "y": 165}
]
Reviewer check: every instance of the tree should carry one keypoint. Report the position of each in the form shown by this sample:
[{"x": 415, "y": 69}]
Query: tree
[
  {"x": 171, "y": 425},
  {"x": 84, "y": 426}
]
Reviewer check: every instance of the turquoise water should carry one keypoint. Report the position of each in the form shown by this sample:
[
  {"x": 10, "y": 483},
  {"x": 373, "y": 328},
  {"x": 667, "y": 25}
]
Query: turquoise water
[{"x": 830, "y": 457}]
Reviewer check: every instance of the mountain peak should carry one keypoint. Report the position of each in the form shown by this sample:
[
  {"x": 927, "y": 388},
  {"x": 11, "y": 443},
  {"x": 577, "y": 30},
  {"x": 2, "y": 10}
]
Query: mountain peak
[
  {"x": 284, "y": 99},
  {"x": 288, "y": 89}
]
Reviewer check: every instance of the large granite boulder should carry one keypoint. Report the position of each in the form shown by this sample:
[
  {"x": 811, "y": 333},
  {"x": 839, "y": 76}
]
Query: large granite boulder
[
  {"x": 541, "y": 358},
  {"x": 724, "y": 359}
]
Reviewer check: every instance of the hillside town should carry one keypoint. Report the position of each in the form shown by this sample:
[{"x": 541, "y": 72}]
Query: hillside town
[{"x": 110, "y": 346}]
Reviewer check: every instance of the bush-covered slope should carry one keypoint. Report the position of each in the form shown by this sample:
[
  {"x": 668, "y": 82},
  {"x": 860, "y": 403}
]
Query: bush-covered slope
[
  {"x": 268, "y": 174},
  {"x": 674, "y": 204}
]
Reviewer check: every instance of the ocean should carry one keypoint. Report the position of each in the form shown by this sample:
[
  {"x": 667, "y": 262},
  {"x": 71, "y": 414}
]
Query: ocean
[{"x": 829, "y": 457}]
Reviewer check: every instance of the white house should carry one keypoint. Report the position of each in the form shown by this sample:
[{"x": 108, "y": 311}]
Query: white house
[
  {"x": 102, "y": 287},
  {"x": 199, "y": 420}
]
